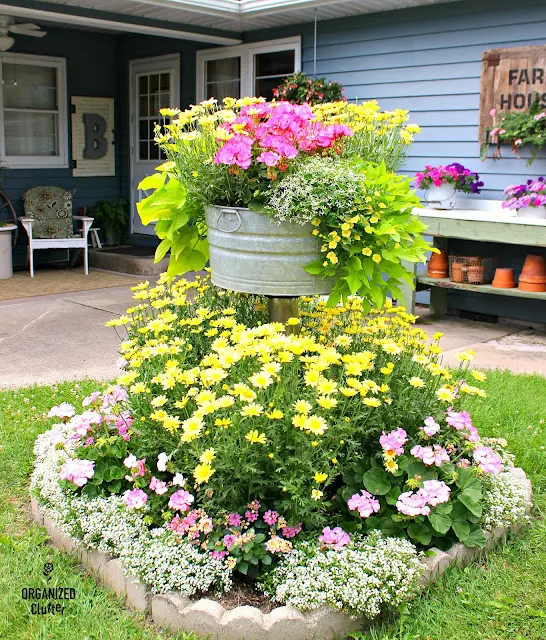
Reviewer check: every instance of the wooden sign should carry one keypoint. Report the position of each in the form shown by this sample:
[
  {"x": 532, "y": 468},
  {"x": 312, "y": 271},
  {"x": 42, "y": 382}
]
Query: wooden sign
[
  {"x": 93, "y": 152},
  {"x": 511, "y": 80}
]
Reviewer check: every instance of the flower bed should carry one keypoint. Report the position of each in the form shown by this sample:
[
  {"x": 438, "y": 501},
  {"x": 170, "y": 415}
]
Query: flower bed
[{"x": 320, "y": 465}]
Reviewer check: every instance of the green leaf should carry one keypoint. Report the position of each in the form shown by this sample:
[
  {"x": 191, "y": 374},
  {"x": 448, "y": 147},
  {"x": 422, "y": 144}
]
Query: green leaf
[
  {"x": 392, "y": 496},
  {"x": 377, "y": 481},
  {"x": 314, "y": 268},
  {"x": 472, "y": 489},
  {"x": 475, "y": 507},
  {"x": 155, "y": 181},
  {"x": 243, "y": 567},
  {"x": 354, "y": 280},
  {"x": 162, "y": 249},
  {"x": 266, "y": 560},
  {"x": 420, "y": 533},
  {"x": 440, "y": 522},
  {"x": 187, "y": 261},
  {"x": 476, "y": 538},
  {"x": 461, "y": 529}
]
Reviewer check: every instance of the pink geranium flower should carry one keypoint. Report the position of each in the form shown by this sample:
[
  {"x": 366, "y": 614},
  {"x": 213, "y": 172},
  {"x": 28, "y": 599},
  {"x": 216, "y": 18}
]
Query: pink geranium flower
[
  {"x": 135, "y": 498},
  {"x": 435, "y": 455},
  {"x": 487, "y": 459},
  {"x": 158, "y": 486},
  {"x": 334, "y": 538},
  {"x": 431, "y": 427},
  {"x": 413, "y": 504},
  {"x": 181, "y": 500},
  {"x": 77, "y": 471},
  {"x": 365, "y": 503},
  {"x": 394, "y": 441},
  {"x": 63, "y": 411}
]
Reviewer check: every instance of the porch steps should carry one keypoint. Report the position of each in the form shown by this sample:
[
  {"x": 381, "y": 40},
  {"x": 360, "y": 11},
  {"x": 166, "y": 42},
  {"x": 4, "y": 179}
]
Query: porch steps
[{"x": 128, "y": 259}]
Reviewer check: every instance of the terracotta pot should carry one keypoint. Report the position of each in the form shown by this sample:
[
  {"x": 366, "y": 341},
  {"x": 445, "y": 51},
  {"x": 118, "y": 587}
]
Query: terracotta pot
[
  {"x": 534, "y": 270},
  {"x": 457, "y": 272},
  {"x": 537, "y": 287},
  {"x": 438, "y": 266},
  {"x": 475, "y": 274},
  {"x": 504, "y": 279}
]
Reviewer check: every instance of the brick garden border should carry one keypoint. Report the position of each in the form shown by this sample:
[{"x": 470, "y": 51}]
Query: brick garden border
[{"x": 206, "y": 617}]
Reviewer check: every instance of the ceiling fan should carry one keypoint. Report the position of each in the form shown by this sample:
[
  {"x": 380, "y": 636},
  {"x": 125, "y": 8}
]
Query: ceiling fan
[{"x": 7, "y": 26}]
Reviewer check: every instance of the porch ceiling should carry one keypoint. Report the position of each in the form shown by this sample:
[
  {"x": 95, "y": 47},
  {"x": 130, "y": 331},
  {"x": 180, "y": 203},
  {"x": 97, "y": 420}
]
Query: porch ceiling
[{"x": 237, "y": 15}]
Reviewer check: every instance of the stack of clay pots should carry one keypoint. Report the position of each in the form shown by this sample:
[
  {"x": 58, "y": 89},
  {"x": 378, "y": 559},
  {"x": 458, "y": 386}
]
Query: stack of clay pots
[
  {"x": 438, "y": 265},
  {"x": 532, "y": 278},
  {"x": 533, "y": 274}
]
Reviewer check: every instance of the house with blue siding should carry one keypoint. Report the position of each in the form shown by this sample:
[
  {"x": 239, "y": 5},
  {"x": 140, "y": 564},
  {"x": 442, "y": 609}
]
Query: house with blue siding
[{"x": 420, "y": 55}]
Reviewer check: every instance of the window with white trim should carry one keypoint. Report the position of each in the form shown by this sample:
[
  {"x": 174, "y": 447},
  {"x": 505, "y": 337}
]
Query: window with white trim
[
  {"x": 253, "y": 69},
  {"x": 33, "y": 114}
]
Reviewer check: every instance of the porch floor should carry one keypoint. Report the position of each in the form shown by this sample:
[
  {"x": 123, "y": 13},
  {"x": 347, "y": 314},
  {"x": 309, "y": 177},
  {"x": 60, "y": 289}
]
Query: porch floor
[{"x": 60, "y": 280}]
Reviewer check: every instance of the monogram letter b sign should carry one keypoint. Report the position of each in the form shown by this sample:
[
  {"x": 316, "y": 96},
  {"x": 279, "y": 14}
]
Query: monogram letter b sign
[{"x": 93, "y": 137}]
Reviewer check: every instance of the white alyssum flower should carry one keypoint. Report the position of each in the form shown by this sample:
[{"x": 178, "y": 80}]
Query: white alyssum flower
[
  {"x": 370, "y": 575},
  {"x": 155, "y": 557},
  {"x": 505, "y": 501}
]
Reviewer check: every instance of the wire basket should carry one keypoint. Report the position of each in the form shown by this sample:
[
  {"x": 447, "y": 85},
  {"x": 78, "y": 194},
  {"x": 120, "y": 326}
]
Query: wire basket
[{"x": 471, "y": 269}]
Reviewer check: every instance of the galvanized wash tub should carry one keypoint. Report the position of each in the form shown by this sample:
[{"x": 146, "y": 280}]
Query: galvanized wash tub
[{"x": 251, "y": 253}]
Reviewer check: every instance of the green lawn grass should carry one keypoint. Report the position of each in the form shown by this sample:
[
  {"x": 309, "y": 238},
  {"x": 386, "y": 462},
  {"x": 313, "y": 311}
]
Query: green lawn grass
[{"x": 502, "y": 598}]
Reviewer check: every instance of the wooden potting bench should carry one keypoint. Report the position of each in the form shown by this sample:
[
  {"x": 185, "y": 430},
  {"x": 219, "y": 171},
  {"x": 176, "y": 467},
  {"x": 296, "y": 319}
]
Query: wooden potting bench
[{"x": 489, "y": 223}]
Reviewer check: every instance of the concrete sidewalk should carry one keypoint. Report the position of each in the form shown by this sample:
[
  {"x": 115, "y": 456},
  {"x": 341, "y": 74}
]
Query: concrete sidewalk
[{"x": 63, "y": 337}]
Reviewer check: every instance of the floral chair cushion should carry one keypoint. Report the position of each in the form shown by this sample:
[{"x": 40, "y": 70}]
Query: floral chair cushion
[{"x": 51, "y": 208}]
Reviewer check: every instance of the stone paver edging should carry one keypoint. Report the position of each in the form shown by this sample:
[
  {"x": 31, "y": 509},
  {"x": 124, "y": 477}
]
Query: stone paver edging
[{"x": 206, "y": 617}]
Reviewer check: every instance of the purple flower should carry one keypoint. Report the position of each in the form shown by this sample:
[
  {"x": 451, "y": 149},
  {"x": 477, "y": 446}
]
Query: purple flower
[
  {"x": 77, "y": 471},
  {"x": 219, "y": 555},
  {"x": 181, "y": 500},
  {"x": 135, "y": 498},
  {"x": 394, "y": 441},
  {"x": 365, "y": 503},
  {"x": 334, "y": 538},
  {"x": 251, "y": 516},
  {"x": 487, "y": 459}
]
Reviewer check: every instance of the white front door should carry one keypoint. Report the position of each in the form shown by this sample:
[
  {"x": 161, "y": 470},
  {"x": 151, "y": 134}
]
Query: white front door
[{"x": 154, "y": 83}]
